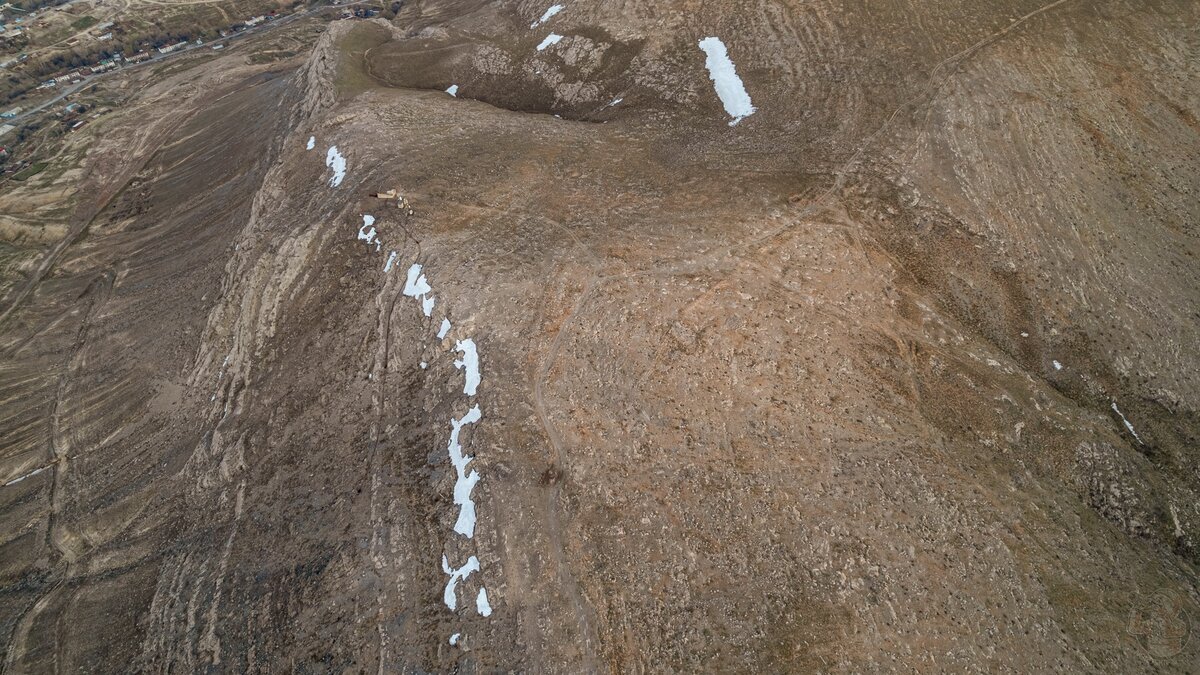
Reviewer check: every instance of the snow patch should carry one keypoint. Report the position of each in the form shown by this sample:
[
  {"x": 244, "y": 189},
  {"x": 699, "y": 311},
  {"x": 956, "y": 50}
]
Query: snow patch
[
  {"x": 465, "y": 482},
  {"x": 416, "y": 285},
  {"x": 469, "y": 364},
  {"x": 367, "y": 231},
  {"x": 335, "y": 161},
  {"x": 551, "y": 39},
  {"x": 549, "y": 14},
  {"x": 445, "y": 328},
  {"x": 1126, "y": 422},
  {"x": 725, "y": 79},
  {"x": 465, "y": 525},
  {"x": 387, "y": 267},
  {"x": 454, "y": 639},
  {"x": 452, "y": 90},
  {"x": 456, "y": 575},
  {"x": 481, "y": 603},
  {"x": 18, "y": 479},
  {"x": 312, "y": 143},
  {"x": 1057, "y": 365}
]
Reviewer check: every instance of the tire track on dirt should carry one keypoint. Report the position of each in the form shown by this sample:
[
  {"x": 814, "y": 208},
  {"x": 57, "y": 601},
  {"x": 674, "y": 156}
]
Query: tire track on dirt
[
  {"x": 566, "y": 578},
  {"x": 736, "y": 251},
  {"x": 60, "y": 454}
]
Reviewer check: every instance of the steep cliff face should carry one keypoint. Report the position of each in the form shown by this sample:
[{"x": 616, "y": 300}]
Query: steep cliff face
[{"x": 897, "y": 372}]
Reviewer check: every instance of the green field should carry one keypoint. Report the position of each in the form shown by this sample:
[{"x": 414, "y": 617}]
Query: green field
[
  {"x": 30, "y": 171},
  {"x": 85, "y": 21}
]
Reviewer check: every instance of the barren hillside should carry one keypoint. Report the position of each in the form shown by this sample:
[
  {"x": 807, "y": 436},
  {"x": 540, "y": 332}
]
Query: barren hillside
[{"x": 594, "y": 365}]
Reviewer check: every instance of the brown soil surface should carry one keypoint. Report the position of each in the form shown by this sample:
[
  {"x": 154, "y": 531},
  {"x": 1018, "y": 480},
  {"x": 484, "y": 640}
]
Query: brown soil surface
[{"x": 901, "y": 373}]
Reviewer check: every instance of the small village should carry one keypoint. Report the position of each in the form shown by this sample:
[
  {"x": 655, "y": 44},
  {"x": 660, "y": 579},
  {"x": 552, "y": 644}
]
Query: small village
[
  {"x": 57, "y": 102},
  {"x": 98, "y": 47}
]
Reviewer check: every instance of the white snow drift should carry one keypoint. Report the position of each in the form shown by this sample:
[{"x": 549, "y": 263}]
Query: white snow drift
[
  {"x": 554, "y": 9},
  {"x": 726, "y": 81},
  {"x": 465, "y": 482},
  {"x": 469, "y": 363},
  {"x": 551, "y": 39},
  {"x": 456, "y": 575},
  {"x": 335, "y": 161}
]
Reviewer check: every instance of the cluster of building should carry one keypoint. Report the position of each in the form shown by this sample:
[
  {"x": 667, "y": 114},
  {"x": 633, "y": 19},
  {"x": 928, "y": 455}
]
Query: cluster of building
[
  {"x": 11, "y": 26},
  {"x": 70, "y": 116},
  {"x": 20, "y": 58},
  {"x": 117, "y": 59},
  {"x": 80, "y": 73},
  {"x": 359, "y": 13},
  {"x": 102, "y": 31},
  {"x": 10, "y": 32},
  {"x": 15, "y": 22},
  {"x": 5, "y": 128},
  {"x": 167, "y": 49}
]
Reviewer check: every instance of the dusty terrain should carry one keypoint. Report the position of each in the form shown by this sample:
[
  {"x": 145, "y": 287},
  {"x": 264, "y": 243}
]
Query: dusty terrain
[{"x": 900, "y": 373}]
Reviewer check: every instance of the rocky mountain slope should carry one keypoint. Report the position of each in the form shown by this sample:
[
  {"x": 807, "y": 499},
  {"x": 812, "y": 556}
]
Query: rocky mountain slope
[{"x": 899, "y": 372}]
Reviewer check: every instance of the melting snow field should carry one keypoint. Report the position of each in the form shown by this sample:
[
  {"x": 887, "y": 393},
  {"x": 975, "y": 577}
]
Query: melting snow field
[
  {"x": 18, "y": 479},
  {"x": 554, "y": 9},
  {"x": 335, "y": 161},
  {"x": 551, "y": 39},
  {"x": 481, "y": 603},
  {"x": 1126, "y": 422},
  {"x": 469, "y": 363},
  {"x": 452, "y": 90},
  {"x": 416, "y": 285},
  {"x": 465, "y": 482},
  {"x": 312, "y": 143},
  {"x": 726, "y": 81},
  {"x": 367, "y": 231},
  {"x": 456, "y": 575}
]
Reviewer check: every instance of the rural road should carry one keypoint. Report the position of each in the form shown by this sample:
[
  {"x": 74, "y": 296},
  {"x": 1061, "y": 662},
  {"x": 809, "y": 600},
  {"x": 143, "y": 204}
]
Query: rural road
[
  {"x": 157, "y": 58},
  {"x": 52, "y": 256}
]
